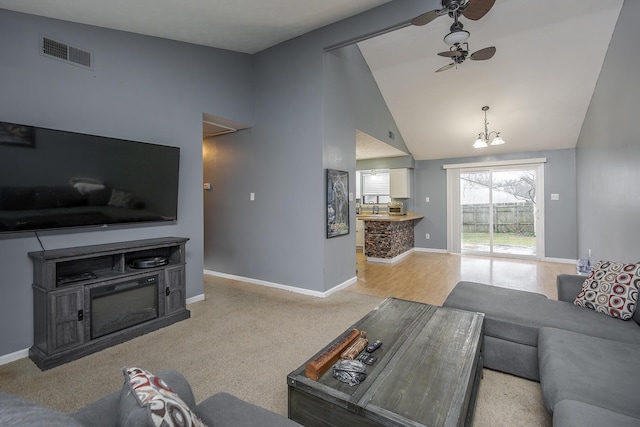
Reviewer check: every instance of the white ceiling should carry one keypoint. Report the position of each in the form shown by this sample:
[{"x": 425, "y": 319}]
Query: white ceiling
[{"x": 538, "y": 85}]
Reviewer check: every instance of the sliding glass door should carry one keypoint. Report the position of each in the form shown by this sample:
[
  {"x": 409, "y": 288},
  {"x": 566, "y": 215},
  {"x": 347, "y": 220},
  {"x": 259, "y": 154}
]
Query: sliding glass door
[{"x": 498, "y": 211}]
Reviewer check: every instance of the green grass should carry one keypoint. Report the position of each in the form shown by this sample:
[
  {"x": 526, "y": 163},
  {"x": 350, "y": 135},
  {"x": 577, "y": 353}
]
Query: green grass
[{"x": 508, "y": 239}]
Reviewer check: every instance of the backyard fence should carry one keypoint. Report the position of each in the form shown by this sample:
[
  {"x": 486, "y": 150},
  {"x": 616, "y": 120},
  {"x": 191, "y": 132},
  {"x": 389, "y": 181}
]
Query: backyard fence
[{"x": 507, "y": 218}]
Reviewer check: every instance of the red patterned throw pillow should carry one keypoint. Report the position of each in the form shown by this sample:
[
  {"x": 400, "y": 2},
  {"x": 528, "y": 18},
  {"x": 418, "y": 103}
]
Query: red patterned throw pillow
[
  {"x": 611, "y": 288},
  {"x": 165, "y": 408}
]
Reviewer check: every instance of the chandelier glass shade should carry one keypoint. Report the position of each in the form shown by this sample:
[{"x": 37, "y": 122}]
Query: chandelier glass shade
[{"x": 487, "y": 138}]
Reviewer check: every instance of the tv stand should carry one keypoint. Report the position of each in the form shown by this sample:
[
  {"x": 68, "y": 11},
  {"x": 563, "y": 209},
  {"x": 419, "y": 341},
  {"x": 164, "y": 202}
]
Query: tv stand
[{"x": 67, "y": 282}]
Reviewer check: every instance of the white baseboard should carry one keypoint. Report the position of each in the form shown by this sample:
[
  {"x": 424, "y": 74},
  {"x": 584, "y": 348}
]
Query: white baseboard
[
  {"x": 431, "y": 250},
  {"x": 197, "y": 298},
  {"x": 560, "y": 260},
  {"x": 391, "y": 260},
  {"x": 284, "y": 287},
  {"x": 12, "y": 357}
]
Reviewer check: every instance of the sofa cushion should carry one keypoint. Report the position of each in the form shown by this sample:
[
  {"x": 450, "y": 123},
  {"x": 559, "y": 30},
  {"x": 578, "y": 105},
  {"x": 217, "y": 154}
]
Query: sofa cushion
[
  {"x": 146, "y": 399},
  {"x": 509, "y": 314},
  {"x": 515, "y": 315},
  {"x": 225, "y": 410},
  {"x": 569, "y": 413},
  {"x": 612, "y": 289},
  {"x": 17, "y": 412},
  {"x": 591, "y": 370}
]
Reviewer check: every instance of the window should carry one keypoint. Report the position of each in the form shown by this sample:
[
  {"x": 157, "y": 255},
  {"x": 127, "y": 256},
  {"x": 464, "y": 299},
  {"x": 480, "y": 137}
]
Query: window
[{"x": 375, "y": 186}]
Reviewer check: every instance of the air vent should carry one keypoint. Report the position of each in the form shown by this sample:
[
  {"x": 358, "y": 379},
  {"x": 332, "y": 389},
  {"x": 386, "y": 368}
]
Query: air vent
[{"x": 65, "y": 52}]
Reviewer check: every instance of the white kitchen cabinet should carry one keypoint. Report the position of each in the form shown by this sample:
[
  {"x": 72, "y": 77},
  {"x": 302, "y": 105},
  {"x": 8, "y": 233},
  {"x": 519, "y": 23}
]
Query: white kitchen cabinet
[
  {"x": 400, "y": 183},
  {"x": 358, "y": 185},
  {"x": 359, "y": 233}
]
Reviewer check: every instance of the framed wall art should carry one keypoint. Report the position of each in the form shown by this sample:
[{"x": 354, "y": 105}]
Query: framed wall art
[{"x": 337, "y": 203}]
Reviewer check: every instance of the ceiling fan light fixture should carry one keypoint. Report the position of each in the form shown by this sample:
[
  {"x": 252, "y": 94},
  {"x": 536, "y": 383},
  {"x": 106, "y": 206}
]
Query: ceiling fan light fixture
[{"x": 456, "y": 36}]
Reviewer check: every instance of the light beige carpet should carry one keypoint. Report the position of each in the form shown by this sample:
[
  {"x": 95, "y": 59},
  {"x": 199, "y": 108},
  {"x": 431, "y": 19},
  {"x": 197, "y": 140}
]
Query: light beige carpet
[{"x": 245, "y": 339}]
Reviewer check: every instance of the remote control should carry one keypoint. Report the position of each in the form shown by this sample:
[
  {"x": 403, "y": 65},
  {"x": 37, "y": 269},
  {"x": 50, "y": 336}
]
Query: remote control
[
  {"x": 373, "y": 347},
  {"x": 363, "y": 356},
  {"x": 370, "y": 360}
]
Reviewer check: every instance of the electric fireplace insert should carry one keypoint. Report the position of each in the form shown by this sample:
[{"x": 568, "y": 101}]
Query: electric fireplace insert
[{"x": 118, "y": 306}]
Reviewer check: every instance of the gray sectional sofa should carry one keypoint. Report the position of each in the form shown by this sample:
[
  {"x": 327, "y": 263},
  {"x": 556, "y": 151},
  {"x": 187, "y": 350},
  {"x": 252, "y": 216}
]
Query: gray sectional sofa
[
  {"x": 220, "y": 410},
  {"x": 585, "y": 361}
]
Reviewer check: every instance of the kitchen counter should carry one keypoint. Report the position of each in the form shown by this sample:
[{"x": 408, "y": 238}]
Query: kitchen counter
[
  {"x": 386, "y": 217},
  {"x": 387, "y": 238}
]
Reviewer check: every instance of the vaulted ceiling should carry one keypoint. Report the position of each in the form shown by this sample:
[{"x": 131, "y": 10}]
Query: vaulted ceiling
[{"x": 538, "y": 85}]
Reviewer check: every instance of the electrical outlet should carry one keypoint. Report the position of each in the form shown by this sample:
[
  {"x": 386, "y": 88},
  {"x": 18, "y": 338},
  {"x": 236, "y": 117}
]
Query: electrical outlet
[
  {"x": 427, "y": 236},
  {"x": 555, "y": 196},
  {"x": 426, "y": 199},
  {"x": 252, "y": 196}
]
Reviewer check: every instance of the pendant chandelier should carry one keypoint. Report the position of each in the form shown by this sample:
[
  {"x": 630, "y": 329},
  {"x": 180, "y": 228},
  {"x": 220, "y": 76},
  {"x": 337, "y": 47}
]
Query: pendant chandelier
[{"x": 485, "y": 138}]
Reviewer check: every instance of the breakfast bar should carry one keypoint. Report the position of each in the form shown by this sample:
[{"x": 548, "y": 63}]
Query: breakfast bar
[{"x": 388, "y": 237}]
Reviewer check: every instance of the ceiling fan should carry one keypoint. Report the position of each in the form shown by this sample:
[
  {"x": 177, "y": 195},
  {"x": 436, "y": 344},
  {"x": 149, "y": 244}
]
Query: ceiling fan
[
  {"x": 460, "y": 51},
  {"x": 457, "y": 38},
  {"x": 470, "y": 9}
]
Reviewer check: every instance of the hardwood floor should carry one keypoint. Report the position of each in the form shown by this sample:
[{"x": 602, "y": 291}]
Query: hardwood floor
[{"x": 429, "y": 277}]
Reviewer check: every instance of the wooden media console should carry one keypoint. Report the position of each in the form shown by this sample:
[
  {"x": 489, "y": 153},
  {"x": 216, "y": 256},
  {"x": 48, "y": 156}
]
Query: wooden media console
[{"x": 88, "y": 298}]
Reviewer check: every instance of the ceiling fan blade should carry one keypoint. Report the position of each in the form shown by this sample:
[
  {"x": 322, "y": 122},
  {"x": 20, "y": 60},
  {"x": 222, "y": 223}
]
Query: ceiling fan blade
[
  {"x": 483, "y": 54},
  {"x": 451, "y": 54},
  {"x": 446, "y": 67},
  {"x": 476, "y": 9},
  {"x": 425, "y": 18}
]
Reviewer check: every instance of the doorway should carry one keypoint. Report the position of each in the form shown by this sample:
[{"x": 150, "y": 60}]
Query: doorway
[{"x": 497, "y": 211}]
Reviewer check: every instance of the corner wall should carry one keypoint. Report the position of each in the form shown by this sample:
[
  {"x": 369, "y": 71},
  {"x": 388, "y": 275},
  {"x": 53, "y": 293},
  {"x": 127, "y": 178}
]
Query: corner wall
[{"x": 608, "y": 151}]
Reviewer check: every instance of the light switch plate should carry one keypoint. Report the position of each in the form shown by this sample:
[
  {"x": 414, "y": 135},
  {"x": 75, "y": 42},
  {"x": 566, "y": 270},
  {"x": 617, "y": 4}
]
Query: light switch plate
[{"x": 555, "y": 196}]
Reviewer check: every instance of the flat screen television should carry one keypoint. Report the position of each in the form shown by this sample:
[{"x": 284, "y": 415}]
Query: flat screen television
[{"x": 52, "y": 179}]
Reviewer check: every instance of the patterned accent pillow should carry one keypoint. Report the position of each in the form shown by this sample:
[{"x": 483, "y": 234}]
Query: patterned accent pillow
[
  {"x": 160, "y": 406},
  {"x": 611, "y": 288}
]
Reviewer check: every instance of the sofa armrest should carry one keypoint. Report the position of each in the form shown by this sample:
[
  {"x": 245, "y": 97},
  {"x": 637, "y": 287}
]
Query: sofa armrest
[{"x": 569, "y": 286}]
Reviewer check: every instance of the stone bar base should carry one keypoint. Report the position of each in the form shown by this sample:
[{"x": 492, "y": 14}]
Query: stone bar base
[{"x": 387, "y": 239}]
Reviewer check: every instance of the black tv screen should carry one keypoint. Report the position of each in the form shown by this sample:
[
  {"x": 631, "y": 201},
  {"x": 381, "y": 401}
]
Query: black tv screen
[{"x": 51, "y": 179}]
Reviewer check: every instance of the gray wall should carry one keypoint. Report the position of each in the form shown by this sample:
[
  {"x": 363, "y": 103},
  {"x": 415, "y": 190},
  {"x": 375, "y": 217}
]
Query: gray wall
[
  {"x": 136, "y": 91},
  {"x": 352, "y": 101},
  {"x": 386, "y": 163},
  {"x": 277, "y": 237},
  {"x": 560, "y": 216},
  {"x": 608, "y": 151},
  {"x": 306, "y": 114}
]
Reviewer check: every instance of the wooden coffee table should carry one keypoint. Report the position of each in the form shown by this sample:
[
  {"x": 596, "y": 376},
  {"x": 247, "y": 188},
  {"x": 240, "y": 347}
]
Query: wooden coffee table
[{"x": 427, "y": 373}]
